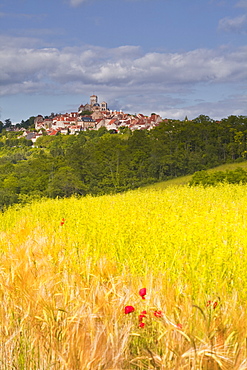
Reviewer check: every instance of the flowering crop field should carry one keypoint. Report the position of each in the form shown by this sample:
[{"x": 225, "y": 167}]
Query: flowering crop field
[{"x": 148, "y": 279}]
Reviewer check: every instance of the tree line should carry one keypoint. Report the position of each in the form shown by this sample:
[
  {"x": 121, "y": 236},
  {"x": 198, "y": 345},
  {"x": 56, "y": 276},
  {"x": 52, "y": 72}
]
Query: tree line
[
  {"x": 103, "y": 162},
  {"x": 204, "y": 178}
]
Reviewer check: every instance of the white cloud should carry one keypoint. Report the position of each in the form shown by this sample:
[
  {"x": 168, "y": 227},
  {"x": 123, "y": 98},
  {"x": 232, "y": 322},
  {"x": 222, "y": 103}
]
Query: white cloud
[
  {"x": 233, "y": 105},
  {"x": 77, "y": 2},
  {"x": 21, "y": 16},
  {"x": 237, "y": 24},
  {"x": 119, "y": 67},
  {"x": 126, "y": 77},
  {"x": 242, "y": 4},
  {"x": 177, "y": 108},
  {"x": 17, "y": 43}
]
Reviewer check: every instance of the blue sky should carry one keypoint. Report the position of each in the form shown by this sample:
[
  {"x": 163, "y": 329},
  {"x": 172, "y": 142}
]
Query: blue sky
[{"x": 173, "y": 57}]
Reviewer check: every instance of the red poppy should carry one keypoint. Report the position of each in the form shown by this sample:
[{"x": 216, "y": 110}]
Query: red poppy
[
  {"x": 129, "y": 309},
  {"x": 208, "y": 303},
  {"x": 143, "y": 292},
  {"x": 142, "y": 324},
  {"x": 179, "y": 326},
  {"x": 215, "y": 304},
  {"x": 62, "y": 222},
  {"x": 158, "y": 313}
]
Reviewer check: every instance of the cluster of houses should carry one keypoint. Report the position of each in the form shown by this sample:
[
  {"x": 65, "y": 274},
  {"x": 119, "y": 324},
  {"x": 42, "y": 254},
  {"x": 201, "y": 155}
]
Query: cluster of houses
[{"x": 92, "y": 116}]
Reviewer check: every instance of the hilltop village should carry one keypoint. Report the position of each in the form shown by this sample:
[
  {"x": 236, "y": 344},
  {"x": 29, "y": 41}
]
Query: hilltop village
[{"x": 93, "y": 116}]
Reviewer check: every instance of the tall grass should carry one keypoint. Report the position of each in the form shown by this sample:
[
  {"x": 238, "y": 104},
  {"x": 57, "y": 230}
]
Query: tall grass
[{"x": 64, "y": 285}]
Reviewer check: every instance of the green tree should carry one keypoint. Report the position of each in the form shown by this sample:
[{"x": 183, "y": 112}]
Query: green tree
[
  {"x": 7, "y": 123},
  {"x": 64, "y": 183},
  {"x": 86, "y": 113},
  {"x": 29, "y": 123},
  {"x": 11, "y": 183},
  {"x": 139, "y": 158},
  {"x": 202, "y": 118}
]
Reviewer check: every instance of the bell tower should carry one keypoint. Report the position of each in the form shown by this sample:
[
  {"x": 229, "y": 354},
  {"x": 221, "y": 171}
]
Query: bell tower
[{"x": 93, "y": 100}]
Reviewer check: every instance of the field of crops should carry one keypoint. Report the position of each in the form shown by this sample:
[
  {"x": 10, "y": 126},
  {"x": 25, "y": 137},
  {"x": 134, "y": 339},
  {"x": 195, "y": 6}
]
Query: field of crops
[{"x": 149, "y": 279}]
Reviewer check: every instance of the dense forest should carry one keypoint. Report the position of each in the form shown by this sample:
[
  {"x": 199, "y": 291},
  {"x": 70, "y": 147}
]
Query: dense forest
[{"x": 100, "y": 162}]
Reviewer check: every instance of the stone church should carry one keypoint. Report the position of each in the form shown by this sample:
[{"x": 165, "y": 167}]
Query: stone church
[{"x": 94, "y": 106}]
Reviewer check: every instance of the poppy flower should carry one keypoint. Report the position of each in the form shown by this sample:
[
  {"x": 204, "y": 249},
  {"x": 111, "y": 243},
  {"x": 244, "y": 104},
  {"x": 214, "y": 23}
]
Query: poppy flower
[
  {"x": 158, "y": 313},
  {"x": 142, "y": 324},
  {"x": 62, "y": 222},
  {"x": 208, "y": 303},
  {"x": 179, "y": 326},
  {"x": 129, "y": 309},
  {"x": 215, "y": 305},
  {"x": 143, "y": 292}
]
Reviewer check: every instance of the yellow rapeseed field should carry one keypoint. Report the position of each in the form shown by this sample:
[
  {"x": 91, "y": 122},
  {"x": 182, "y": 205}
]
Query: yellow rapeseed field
[{"x": 69, "y": 268}]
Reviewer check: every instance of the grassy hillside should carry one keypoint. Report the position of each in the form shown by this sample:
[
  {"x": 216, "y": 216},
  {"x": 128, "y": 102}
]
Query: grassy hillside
[
  {"x": 71, "y": 271},
  {"x": 183, "y": 180}
]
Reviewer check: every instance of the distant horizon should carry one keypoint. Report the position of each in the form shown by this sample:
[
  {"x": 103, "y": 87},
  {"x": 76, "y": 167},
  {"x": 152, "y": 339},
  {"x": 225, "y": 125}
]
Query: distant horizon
[{"x": 120, "y": 110}]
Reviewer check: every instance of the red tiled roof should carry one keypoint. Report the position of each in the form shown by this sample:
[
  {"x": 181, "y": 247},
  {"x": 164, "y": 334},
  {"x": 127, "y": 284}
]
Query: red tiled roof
[
  {"x": 53, "y": 132},
  {"x": 112, "y": 121}
]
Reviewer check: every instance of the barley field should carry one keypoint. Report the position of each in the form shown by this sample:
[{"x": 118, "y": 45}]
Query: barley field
[{"x": 148, "y": 279}]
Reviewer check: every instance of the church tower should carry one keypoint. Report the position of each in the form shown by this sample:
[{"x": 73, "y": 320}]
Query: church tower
[{"x": 93, "y": 100}]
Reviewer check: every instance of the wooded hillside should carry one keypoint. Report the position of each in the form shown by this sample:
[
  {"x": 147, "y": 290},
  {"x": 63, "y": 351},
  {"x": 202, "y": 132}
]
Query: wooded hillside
[{"x": 100, "y": 162}]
